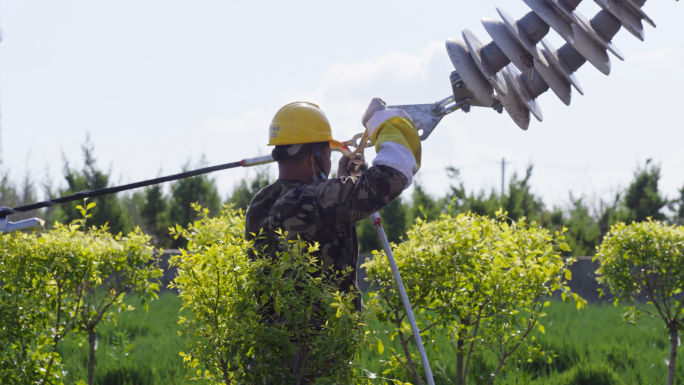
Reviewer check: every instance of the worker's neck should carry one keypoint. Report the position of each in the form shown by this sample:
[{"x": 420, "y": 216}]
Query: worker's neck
[{"x": 298, "y": 174}]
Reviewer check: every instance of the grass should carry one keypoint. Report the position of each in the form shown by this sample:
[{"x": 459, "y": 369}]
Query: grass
[
  {"x": 153, "y": 343},
  {"x": 592, "y": 349}
]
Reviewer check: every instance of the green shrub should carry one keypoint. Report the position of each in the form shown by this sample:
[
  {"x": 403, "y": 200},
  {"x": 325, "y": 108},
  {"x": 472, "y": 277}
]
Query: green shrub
[
  {"x": 256, "y": 319},
  {"x": 588, "y": 374},
  {"x": 26, "y": 349},
  {"x": 481, "y": 283},
  {"x": 565, "y": 356},
  {"x": 646, "y": 259},
  {"x": 66, "y": 280},
  {"x": 620, "y": 357}
]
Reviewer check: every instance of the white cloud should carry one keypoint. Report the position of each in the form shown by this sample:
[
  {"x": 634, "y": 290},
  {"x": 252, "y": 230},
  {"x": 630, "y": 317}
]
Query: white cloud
[
  {"x": 344, "y": 91},
  {"x": 344, "y": 79},
  {"x": 666, "y": 57},
  {"x": 398, "y": 77}
]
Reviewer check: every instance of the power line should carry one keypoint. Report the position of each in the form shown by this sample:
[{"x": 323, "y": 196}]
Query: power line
[{"x": 560, "y": 167}]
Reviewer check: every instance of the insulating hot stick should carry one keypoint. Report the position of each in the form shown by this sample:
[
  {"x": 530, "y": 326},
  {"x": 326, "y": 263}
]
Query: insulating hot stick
[
  {"x": 6, "y": 226},
  {"x": 375, "y": 218},
  {"x": 5, "y": 211}
]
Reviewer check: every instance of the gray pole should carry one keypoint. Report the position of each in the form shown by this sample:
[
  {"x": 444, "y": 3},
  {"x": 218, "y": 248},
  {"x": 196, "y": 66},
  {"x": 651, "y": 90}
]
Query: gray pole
[{"x": 375, "y": 218}]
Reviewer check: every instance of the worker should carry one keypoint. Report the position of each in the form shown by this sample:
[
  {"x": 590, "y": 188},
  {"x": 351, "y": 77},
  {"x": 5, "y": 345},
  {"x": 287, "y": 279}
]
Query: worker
[{"x": 305, "y": 203}]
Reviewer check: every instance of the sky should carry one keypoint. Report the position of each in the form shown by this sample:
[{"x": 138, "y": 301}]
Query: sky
[{"x": 159, "y": 84}]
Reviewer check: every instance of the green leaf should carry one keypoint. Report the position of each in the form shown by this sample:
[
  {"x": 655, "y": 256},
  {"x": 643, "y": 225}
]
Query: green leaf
[
  {"x": 379, "y": 347},
  {"x": 564, "y": 247},
  {"x": 568, "y": 274},
  {"x": 91, "y": 205},
  {"x": 542, "y": 330}
]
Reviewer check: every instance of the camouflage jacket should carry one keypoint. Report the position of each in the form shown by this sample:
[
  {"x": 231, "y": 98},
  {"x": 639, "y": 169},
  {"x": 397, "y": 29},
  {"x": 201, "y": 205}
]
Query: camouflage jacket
[{"x": 323, "y": 211}]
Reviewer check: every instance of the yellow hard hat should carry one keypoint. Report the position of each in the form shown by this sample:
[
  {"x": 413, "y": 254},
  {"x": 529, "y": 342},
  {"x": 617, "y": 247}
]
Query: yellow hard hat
[{"x": 300, "y": 122}]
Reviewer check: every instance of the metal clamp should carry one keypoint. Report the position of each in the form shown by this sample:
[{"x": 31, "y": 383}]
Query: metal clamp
[
  {"x": 357, "y": 158},
  {"x": 7, "y": 227}
]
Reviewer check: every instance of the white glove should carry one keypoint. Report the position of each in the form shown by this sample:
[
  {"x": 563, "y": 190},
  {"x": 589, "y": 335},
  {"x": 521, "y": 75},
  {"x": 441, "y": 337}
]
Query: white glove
[{"x": 375, "y": 105}]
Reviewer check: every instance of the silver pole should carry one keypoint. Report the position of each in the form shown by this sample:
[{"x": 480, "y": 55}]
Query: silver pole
[{"x": 377, "y": 222}]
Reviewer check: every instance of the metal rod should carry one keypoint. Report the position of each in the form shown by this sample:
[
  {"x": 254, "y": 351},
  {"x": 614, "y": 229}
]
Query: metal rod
[
  {"x": 377, "y": 222},
  {"x": 5, "y": 211},
  {"x": 250, "y": 162}
]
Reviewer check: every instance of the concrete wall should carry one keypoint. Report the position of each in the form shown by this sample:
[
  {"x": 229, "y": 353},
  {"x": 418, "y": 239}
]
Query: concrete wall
[
  {"x": 169, "y": 272},
  {"x": 584, "y": 282}
]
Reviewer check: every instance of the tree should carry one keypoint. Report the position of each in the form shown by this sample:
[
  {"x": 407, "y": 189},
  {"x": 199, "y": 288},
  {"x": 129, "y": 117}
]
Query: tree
[
  {"x": 480, "y": 282},
  {"x": 368, "y": 236},
  {"x": 12, "y": 195},
  {"x": 519, "y": 202},
  {"x": 155, "y": 216},
  {"x": 423, "y": 205},
  {"x": 583, "y": 233},
  {"x": 28, "y": 354},
  {"x": 247, "y": 187},
  {"x": 110, "y": 209},
  {"x": 394, "y": 220},
  {"x": 646, "y": 258},
  {"x": 118, "y": 268},
  {"x": 642, "y": 198},
  {"x": 62, "y": 281},
  {"x": 185, "y": 192},
  {"x": 677, "y": 207},
  {"x": 256, "y": 319}
]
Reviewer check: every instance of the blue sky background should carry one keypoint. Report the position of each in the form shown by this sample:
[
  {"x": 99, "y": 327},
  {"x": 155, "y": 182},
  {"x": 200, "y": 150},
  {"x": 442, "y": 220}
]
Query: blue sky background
[{"x": 158, "y": 83}]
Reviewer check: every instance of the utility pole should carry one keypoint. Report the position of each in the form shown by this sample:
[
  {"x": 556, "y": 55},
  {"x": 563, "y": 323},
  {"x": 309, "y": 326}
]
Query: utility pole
[{"x": 503, "y": 175}]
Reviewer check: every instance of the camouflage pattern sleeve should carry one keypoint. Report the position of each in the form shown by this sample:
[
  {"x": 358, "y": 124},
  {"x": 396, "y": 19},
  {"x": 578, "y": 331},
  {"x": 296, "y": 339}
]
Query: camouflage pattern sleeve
[{"x": 348, "y": 200}]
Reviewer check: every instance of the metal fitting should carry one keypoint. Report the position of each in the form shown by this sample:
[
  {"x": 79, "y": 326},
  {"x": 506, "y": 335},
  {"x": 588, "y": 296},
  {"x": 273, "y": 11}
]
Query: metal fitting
[{"x": 7, "y": 227}]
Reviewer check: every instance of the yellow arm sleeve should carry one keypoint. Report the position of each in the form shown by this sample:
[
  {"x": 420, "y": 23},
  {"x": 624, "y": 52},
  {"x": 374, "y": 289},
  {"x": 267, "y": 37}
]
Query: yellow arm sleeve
[{"x": 399, "y": 130}]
